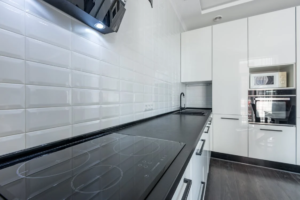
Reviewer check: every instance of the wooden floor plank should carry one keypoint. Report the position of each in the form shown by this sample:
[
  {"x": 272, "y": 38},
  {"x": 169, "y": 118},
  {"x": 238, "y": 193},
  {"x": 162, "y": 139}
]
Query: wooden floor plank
[{"x": 234, "y": 181}]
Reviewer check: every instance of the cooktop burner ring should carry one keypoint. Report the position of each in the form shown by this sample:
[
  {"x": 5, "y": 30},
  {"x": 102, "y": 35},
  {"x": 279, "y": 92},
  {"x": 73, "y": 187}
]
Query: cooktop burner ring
[
  {"x": 145, "y": 154},
  {"x": 39, "y": 177},
  {"x": 97, "y": 191}
]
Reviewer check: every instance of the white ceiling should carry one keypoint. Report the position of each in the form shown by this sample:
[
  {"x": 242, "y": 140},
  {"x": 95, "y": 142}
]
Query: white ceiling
[{"x": 189, "y": 11}]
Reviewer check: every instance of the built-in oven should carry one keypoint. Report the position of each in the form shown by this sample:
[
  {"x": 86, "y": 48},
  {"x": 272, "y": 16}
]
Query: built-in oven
[{"x": 273, "y": 107}]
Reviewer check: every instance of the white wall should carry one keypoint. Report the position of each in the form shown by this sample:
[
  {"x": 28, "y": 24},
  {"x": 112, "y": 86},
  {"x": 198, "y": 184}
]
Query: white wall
[
  {"x": 59, "y": 78},
  {"x": 199, "y": 95}
]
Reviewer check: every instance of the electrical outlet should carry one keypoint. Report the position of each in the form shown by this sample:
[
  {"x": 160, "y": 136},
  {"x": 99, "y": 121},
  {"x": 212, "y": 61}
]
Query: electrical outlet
[{"x": 149, "y": 107}]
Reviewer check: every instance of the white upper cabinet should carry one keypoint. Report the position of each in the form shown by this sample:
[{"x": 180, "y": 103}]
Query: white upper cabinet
[
  {"x": 298, "y": 71},
  {"x": 196, "y": 55},
  {"x": 230, "y": 69},
  {"x": 272, "y": 38}
]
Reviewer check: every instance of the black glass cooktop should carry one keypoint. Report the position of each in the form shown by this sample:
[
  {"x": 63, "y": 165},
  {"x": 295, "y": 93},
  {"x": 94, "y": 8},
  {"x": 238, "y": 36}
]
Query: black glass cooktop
[{"x": 112, "y": 167}]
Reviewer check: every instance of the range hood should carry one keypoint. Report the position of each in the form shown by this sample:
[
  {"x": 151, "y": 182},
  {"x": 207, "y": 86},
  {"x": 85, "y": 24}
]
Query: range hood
[{"x": 104, "y": 16}]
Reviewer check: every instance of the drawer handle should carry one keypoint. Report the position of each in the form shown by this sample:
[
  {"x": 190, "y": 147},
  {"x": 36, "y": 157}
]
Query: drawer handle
[
  {"x": 270, "y": 130},
  {"x": 199, "y": 153},
  {"x": 207, "y": 130},
  {"x": 229, "y": 118},
  {"x": 203, "y": 188},
  {"x": 187, "y": 189}
]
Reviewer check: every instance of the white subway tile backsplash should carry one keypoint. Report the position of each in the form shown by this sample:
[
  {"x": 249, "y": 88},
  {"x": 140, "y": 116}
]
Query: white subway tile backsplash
[
  {"x": 138, "y": 88},
  {"x": 12, "y": 143},
  {"x": 12, "y": 44},
  {"x": 12, "y": 122},
  {"x": 46, "y": 136},
  {"x": 11, "y": 19},
  {"x": 109, "y": 70},
  {"x": 45, "y": 118},
  {"x": 83, "y": 46},
  {"x": 126, "y": 97},
  {"x": 110, "y": 97},
  {"x": 85, "y": 97},
  {"x": 87, "y": 127},
  {"x": 46, "y": 53},
  {"x": 139, "y": 98},
  {"x": 41, "y": 74},
  {"x": 44, "y": 96},
  {"x": 110, "y": 83},
  {"x": 12, "y": 96},
  {"x": 12, "y": 70},
  {"x": 126, "y": 109},
  {"x": 47, "y": 32},
  {"x": 85, "y": 113},
  {"x": 126, "y": 119},
  {"x": 110, "y": 57},
  {"x": 127, "y": 75},
  {"x": 85, "y": 63},
  {"x": 111, "y": 122},
  {"x": 85, "y": 80},
  {"x": 110, "y": 111},
  {"x": 60, "y": 78},
  {"x": 126, "y": 86}
]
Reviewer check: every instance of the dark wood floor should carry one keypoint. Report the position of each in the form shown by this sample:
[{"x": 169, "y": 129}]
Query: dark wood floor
[{"x": 233, "y": 181}]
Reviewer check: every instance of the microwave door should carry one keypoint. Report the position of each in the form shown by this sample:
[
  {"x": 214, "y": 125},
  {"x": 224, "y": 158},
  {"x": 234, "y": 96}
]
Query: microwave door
[{"x": 272, "y": 110}]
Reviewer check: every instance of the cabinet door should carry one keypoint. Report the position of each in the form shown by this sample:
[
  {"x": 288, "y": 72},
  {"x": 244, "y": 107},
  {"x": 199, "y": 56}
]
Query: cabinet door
[
  {"x": 298, "y": 62},
  {"x": 182, "y": 185},
  {"x": 274, "y": 143},
  {"x": 298, "y": 141},
  {"x": 230, "y": 69},
  {"x": 230, "y": 134},
  {"x": 196, "y": 55},
  {"x": 272, "y": 38}
]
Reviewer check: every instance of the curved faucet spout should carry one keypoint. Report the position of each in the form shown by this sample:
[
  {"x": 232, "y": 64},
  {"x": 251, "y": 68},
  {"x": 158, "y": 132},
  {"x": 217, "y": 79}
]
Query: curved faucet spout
[{"x": 182, "y": 94}]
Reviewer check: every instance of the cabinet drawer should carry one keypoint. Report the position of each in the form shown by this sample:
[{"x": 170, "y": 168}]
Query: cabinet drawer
[
  {"x": 182, "y": 185},
  {"x": 230, "y": 134},
  {"x": 273, "y": 143}
]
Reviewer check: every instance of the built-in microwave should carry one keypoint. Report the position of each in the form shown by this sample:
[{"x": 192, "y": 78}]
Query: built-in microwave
[
  {"x": 268, "y": 80},
  {"x": 276, "y": 107}
]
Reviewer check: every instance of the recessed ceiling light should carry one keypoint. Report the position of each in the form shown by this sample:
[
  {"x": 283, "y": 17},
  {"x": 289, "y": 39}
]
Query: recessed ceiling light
[
  {"x": 208, "y": 6},
  {"x": 99, "y": 26},
  {"x": 218, "y": 18}
]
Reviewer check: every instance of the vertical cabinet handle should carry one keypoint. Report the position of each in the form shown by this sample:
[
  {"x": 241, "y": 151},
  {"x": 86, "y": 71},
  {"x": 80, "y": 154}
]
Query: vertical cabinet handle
[
  {"x": 207, "y": 130},
  {"x": 187, "y": 189},
  {"x": 203, "y": 189},
  {"x": 199, "y": 153}
]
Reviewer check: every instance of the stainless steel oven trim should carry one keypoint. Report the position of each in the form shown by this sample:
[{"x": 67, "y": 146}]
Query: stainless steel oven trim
[
  {"x": 278, "y": 99},
  {"x": 269, "y": 124},
  {"x": 271, "y": 95}
]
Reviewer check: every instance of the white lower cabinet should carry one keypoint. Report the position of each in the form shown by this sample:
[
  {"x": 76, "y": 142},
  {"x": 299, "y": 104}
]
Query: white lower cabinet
[
  {"x": 230, "y": 134},
  {"x": 298, "y": 141},
  {"x": 273, "y": 143},
  {"x": 195, "y": 175}
]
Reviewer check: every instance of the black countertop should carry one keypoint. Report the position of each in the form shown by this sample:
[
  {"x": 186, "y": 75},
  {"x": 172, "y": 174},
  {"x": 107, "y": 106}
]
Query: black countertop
[
  {"x": 181, "y": 128},
  {"x": 173, "y": 127}
]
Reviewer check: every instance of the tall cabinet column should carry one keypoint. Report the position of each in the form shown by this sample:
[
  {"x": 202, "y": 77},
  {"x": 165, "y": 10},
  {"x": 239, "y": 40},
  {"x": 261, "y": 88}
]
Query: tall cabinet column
[{"x": 230, "y": 87}]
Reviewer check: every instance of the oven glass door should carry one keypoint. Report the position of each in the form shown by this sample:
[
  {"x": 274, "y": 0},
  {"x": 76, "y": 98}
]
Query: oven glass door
[{"x": 272, "y": 110}]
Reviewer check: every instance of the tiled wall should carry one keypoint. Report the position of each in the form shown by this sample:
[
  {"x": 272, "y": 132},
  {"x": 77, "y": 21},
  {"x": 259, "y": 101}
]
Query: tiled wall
[
  {"x": 199, "y": 95},
  {"x": 59, "y": 78}
]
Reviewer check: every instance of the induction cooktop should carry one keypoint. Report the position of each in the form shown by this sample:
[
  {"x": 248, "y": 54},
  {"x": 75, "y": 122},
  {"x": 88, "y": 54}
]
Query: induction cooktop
[{"x": 112, "y": 167}]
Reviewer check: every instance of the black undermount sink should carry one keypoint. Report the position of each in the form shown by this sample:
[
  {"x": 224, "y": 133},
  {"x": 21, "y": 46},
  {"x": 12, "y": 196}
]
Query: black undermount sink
[{"x": 191, "y": 112}]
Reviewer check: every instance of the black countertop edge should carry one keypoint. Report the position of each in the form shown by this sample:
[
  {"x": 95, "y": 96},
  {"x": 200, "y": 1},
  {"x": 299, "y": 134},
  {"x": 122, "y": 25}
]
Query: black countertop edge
[
  {"x": 30, "y": 153},
  {"x": 198, "y": 108},
  {"x": 178, "y": 179}
]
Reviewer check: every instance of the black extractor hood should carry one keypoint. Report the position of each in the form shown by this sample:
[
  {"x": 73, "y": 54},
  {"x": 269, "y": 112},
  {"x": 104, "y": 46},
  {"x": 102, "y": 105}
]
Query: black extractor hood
[{"x": 104, "y": 16}]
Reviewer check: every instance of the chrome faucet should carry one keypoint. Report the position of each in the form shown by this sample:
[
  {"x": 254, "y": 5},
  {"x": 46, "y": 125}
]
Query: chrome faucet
[{"x": 182, "y": 94}]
